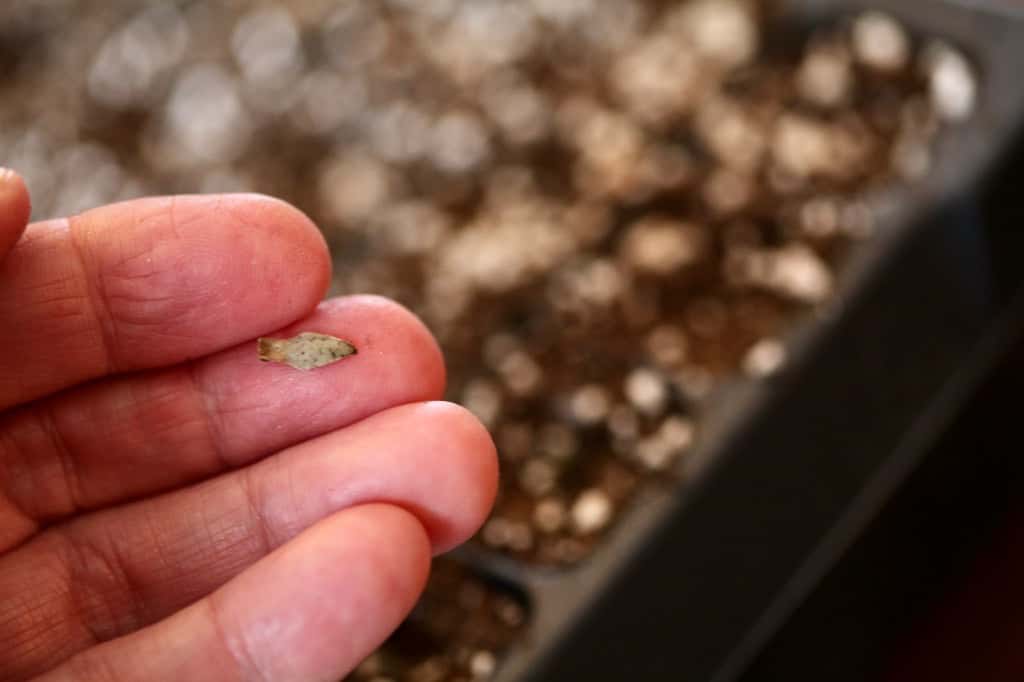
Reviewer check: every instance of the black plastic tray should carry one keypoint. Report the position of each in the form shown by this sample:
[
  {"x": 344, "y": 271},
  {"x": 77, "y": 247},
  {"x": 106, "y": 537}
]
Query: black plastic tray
[{"x": 696, "y": 578}]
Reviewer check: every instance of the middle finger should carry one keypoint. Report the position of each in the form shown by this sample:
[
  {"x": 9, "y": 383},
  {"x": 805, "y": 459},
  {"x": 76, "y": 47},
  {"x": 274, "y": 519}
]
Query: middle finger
[{"x": 126, "y": 437}]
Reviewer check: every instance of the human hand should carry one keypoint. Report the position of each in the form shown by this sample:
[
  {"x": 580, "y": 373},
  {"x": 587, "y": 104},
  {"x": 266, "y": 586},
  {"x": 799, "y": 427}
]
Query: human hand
[{"x": 173, "y": 509}]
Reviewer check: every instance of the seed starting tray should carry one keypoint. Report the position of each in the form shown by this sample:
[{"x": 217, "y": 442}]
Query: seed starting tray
[{"x": 696, "y": 576}]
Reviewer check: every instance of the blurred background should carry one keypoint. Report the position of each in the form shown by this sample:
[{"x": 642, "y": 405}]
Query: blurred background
[{"x": 645, "y": 232}]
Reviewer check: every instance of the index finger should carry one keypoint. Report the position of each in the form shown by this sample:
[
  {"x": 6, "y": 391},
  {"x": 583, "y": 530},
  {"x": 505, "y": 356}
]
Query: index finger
[{"x": 149, "y": 283}]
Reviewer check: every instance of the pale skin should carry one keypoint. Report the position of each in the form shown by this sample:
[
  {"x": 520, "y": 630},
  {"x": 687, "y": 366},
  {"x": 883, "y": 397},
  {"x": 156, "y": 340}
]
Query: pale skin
[{"x": 171, "y": 508}]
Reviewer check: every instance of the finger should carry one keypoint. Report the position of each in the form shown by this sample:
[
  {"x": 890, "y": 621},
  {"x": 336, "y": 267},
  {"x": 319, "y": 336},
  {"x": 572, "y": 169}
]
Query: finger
[
  {"x": 115, "y": 571},
  {"x": 127, "y": 437},
  {"x": 149, "y": 283},
  {"x": 15, "y": 209},
  {"x": 310, "y": 611}
]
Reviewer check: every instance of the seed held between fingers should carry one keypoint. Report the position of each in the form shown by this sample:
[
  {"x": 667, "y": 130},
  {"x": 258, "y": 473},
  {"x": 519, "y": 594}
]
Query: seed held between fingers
[{"x": 308, "y": 350}]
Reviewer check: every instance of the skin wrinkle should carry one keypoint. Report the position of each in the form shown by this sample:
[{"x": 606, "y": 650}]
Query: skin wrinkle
[
  {"x": 95, "y": 298},
  {"x": 99, "y": 587},
  {"x": 162, "y": 415},
  {"x": 159, "y": 565},
  {"x": 35, "y": 488},
  {"x": 12, "y": 456},
  {"x": 257, "y": 511},
  {"x": 28, "y": 613},
  {"x": 93, "y": 669},
  {"x": 18, "y": 528},
  {"x": 156, "y": 414},
  {"x": 142, "y": 214},
  {"x": 243, "y": 404},
  {"x": 58, "y": 295},
  {"x": 281, "y": 521},
  {"x": 240, "y": 655},
  {"x": 104, "y": 584},
  {"x": 44, "y": 418},
  {"x": 206, "y": 401},
  {"x": 130, "y": 610},
  {"x": 289, "y": 525},
  {"x": 49, "y": 627},
  {"x": 128, "y": 284},
  {"x": 128, "y": 290},
  {"x": 69, "y": 470},
  {"x": 131, "y": 255},
  {"x": 59, "y": 299},
  {"x": 225, "y": 537},
  {"x": 218, "y": 542},
  {"x": 172, "y": 213},
  {"x": 143, "y": 258},
  {"x": 256, "y": 405},
  {"x": 221, "y": 540},
  {"x": 318, "y": 409},
  {"x": 277, "y": 525}
]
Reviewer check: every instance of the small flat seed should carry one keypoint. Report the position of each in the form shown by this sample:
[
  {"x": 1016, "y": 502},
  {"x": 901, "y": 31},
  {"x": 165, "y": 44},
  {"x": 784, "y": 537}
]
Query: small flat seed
[{"x": 308, "y": 350}]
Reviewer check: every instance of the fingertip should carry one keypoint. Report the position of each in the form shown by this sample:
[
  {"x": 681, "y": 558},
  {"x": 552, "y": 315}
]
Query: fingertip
[
  {"x": 15, "y": 209},
  {"x": 430, "y": 371},
  {"x": 471, "y": 470},
  {"x": 394, "y": 337},
  {"x": 290, "y": 229},
  {"x": 340, "y": 589},
  {"x": 14, "y": 196},
  {"x": 433, "y": 459}
]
